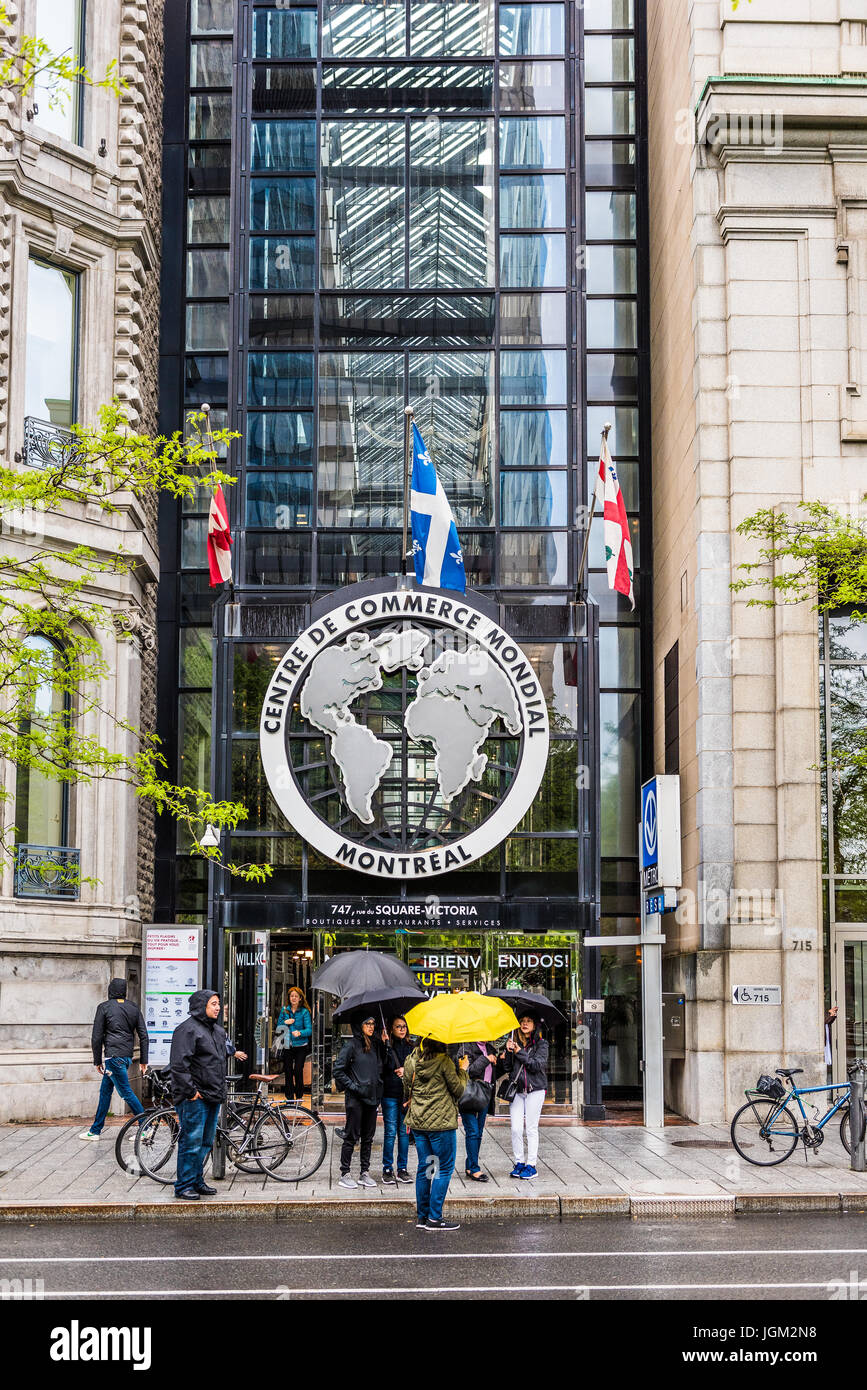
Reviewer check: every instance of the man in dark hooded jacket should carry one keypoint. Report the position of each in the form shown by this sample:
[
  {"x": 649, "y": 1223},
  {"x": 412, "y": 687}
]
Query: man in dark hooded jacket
[
  {"x": 115, "y": 1024},
  {"x": 198, "y": 1066}
]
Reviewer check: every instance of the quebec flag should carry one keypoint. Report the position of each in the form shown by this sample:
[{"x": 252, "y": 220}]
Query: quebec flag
[{"x": 436, "y": 549}]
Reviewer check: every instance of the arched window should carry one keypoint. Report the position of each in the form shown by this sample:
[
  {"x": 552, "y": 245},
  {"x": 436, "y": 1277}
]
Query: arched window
[{"x": 41, "y": 801}]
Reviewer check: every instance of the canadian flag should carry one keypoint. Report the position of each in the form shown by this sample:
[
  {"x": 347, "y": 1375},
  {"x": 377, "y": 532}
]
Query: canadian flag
[
  {"x": 219, "y": 540},
  {"x": 618, "y": 546}
]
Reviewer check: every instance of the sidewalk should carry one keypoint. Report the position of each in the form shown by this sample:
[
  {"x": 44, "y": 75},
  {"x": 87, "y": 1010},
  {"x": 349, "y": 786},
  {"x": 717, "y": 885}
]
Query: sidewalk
[{"x": 46, "y": 1172}]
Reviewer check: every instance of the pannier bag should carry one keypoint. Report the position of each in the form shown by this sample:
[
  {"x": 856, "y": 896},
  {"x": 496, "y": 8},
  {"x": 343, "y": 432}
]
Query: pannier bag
[{"x": 770, "y": 1086}]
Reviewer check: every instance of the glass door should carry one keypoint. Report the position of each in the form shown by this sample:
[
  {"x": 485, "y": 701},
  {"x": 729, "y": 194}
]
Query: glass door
[
  {"x": 547, "y": 964},
  {"x": 849, "y": 1034}
]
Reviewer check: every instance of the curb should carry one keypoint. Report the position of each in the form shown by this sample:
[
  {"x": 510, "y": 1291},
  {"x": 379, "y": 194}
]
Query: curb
[{"x": 487, "y": 1208}]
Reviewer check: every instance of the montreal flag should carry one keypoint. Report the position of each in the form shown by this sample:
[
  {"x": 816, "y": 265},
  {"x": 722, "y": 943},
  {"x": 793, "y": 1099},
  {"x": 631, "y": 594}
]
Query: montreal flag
[{"x": 436, "y": 550}]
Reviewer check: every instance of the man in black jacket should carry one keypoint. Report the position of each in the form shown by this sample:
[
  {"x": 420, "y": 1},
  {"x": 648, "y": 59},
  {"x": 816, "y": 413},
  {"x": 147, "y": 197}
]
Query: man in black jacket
[
  {"x": 198, "y": 1065},
  {"x": 115, "y": 1024}
]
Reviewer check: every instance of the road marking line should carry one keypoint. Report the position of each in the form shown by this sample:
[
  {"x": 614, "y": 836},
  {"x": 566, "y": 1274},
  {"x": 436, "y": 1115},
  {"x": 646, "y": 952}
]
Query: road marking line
[
  {"x": 426, "y": 1289},
  {"x": 420, "y": 1255}
]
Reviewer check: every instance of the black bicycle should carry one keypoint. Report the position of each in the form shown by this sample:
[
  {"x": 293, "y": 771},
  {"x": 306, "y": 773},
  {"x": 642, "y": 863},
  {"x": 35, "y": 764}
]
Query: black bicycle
[
  {"x": 282, "y": 1139},
  {"x": 160, "y": 1087}
]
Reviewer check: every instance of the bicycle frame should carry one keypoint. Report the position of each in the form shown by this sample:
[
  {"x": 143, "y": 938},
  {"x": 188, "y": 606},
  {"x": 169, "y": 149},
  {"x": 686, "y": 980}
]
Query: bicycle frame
[{"x": 795, "y": 1094}]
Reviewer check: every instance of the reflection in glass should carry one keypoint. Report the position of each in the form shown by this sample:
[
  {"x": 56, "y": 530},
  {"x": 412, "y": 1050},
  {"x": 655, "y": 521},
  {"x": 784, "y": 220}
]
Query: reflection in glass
[
  {"x": 623, "y": 439},
  {"x": 209, "y": 168},
  {"x": 207, "y": 274},
  {"x": 56, "y": 101},
  {"x": 211, "y": 116},
  {"x": 284, "y": 88},
  {"x": 532, "y": 86},
  {"x": 282, "y": 33},
  {"x": 451, "y": 221},
  {"x": 194, "y": 535},
  {"x": 282, "y": 262},
  {"x": 612, "y": 323},
  {"x": 362, "y": 204},
  {"x": 211, "y": 16},
  {"x": 609, "y": 111},
  {"x": 556, "y": 665},
  {"x": 415, "y": 87},
  {"x": 848, "y": 638},
  {"x": 52, "y": 330},
  {"x": 610, "y": 162},
  {"x": 611, "y": 270},
  {"x": 348, "y": 557},
  {"x": 556, "y": 803},
  {"x": 608, "y": 14},
  {"x": 277, "y": 558},
  {"x": 207, "y": 219},
  {"x": 211, "y": 64},
  {"x": 528, "y": 561},
  {"x": 284, "y": 146},
  {"x": 280, "y": 378},
  {"x": 533, "y": 499},
  {"x": 533, "y": 318},
  {"x": 610, "y": 216},
  {"x": 451, "y": 393},
  {"x": 608, "y": 59},
  {"x": 196, "y": 657},
  {"x": 528, "y": 142},
  {"x": 848, "y": 698},
  {"x": 41, "y": 802},
  {"x": 194, "y": 740},
  {"x": 533, "y": 261},
  {"x": 533, "y": 378},
  {"x": 612, "y": 376},
  {"x": 280, "y": 500},
  {"x": 533, "y": 200},
  {"x": 532, "y": 438},
  {"x": 451, "y": 28},
  {"x": 280, "y": 439},
  {"x": 207, "y": 327},
  {"x": 205, "y": 379},
  {"x": 280, "y": 320},
  {"x": 358, "y": 29},
  {"x": 619, "y": 723},
  {"x": 254, "y": 664},
  {"x": 531, "y": 29},
  {"x": 419, "y": 320},
  {"x": 618, "y": 656},
  {"x": 361, "y": 429},
  {"x": 282, "y": 205}
]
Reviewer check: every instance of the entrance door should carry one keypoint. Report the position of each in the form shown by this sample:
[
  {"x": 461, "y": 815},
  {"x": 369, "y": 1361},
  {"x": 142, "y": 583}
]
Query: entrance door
[
  {"x": 547, "y": 964},
  {"x": 850, "y": 995},
  {"x": 328, "y": 1036}
]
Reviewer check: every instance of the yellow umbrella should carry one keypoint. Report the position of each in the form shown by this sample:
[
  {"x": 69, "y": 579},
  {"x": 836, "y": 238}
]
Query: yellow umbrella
[{"x": 457, "y": 1018}]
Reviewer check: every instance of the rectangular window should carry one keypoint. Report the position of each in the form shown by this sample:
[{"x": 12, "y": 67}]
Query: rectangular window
[
  {"x": 532, "y": 262},
  {"x": 60, "y": 24},
  {"x": 672, "y": 712},
  {"x": 533, "y": 378},
  {"x": 451, "y": 29},
  {"x": 612, "y": 323},
  {"x": 532, "y": 200},
  {"x": 532, "y": 86},
  {"x": 531, "y": 319},
  {"x": 284, "y": 146},
  {"x": 531, "y": 29},
  {"x": 282, "y": 262},
  {"x": 280, "y": 440},
  {"x": 211, "y": 16},
  {"x": 451, "y": 222},
  {"x": 279, "y": 500},
  {"x": 282, "y": 33},
  {"x": 211, "y": 116},
  {"x": 532, "y": 142},
  {"x": 528, "y": 561},
  {"x": 280, "y": 378},
  {"x": 207, "y": 274},
  {"x": 282, "y": 205},
  {"x": 357, "y": 29},
  {"x": 362, "y": 208},
  {"x": 533, "y": 499},
  {"x": 610, "y": 216},
  {"x": 211, "y": 64},
  {"x": 452, "y": 393},
  {"x": 361, "y": 429},
  {"x": 207, "y": 220},
  {"x": 533, "y": 438},
  {"x": 50, "y": 380}
]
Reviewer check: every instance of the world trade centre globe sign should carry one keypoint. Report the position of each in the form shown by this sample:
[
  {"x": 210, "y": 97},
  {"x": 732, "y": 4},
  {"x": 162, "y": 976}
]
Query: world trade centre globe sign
[{"x": 404, "y": 733}]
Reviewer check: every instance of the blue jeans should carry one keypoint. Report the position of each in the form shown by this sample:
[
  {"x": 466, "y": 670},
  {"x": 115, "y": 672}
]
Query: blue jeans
[
  {"x": 392, "y": 1113},
  {"x": 474, "y": 1127},
  {"x": 437, "y": 1150},
  {"x": 115, "y": 1075},
  {"x": 198, "y": 1127}
]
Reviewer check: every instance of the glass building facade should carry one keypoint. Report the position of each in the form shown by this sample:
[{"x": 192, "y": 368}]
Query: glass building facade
[{"x": 370, "y": 205}]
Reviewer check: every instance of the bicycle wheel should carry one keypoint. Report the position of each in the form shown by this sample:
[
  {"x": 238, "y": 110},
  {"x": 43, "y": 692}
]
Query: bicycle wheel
[
  {"x": 240, "y": 1142},
  {"x": 846, "y": 1128},
  {"x": 124, "y": 1147},
  {"x": 290, "y": 1143},
  {"x": 763, "y": 1133},
  {"x": 156, "y": 1147}
]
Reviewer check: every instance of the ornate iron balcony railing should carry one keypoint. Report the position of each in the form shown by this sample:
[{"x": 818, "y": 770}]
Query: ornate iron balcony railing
[
  {"x": 47, "y": 871},
  {"x": 46, "y": 445}
]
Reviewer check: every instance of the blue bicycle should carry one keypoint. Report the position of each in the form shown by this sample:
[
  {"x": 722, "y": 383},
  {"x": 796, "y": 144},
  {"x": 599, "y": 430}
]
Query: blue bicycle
[{"x": 766, "y": 1132}]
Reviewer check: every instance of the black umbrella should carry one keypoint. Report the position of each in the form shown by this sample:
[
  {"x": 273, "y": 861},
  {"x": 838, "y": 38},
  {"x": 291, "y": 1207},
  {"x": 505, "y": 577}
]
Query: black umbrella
[
  {"x": 389, "y": 1002},
  {"x": 355, "y": 972},
  {"x": 523, "y": 1001}
]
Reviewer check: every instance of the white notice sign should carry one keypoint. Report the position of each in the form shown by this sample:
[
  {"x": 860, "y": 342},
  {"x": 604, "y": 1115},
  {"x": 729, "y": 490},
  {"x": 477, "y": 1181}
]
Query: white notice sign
[
  {"x": 173, "y": 971},
  {"x": 757, "y": 994}
]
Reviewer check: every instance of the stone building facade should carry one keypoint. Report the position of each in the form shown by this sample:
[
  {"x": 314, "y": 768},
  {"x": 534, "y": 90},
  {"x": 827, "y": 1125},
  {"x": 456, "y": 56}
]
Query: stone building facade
[
  {"x": 758, "y": 185},
  {"x": 80, "y": 197}
]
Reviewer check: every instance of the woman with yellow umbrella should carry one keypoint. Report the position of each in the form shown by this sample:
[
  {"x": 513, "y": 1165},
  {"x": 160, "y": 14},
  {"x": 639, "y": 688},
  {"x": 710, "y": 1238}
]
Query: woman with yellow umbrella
[{"x": 433, "y": 1085}]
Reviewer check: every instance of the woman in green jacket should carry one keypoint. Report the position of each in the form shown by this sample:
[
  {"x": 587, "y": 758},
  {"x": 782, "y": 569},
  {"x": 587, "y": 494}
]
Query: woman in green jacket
[{"x": 433, "y": 1085}]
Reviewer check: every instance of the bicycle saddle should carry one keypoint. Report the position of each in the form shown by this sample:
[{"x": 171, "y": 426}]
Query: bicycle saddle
[
  {"x": 258, "y": 1076},
  {"x": 789, "y": 1071}
]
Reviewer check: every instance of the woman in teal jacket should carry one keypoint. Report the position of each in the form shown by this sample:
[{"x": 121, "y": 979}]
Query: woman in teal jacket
[{"x": 297, "y": 1024}]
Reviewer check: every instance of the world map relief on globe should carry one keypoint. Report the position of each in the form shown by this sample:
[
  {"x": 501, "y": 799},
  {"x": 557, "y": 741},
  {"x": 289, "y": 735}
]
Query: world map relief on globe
[{"x": 459, "y": 696}]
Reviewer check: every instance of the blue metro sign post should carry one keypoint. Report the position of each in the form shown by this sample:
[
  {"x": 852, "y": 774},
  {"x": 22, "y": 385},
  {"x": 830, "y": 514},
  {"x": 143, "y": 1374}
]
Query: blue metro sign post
[{"x": 659, "y": 849}]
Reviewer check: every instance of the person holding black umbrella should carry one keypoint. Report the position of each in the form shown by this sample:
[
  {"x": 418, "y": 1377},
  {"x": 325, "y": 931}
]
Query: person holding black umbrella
[
  {"x": 358, "y": 1074},
  {"x": 526, "y": 1061}
]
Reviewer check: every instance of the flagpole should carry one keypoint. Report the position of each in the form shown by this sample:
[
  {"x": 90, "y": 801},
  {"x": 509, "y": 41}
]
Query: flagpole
[
  {"x": 591, "y": 510},
  {"x": 409, "y": 414}
]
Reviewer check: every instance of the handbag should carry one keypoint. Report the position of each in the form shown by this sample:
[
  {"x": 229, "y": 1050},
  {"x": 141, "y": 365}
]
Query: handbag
[
  {"x": 508, "y": 1088},
  {"x": 476, "y": 1097}
]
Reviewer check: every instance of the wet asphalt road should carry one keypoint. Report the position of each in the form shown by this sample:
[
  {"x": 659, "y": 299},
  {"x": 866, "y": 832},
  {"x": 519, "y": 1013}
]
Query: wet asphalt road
[{"x": 796, "y": 1257}]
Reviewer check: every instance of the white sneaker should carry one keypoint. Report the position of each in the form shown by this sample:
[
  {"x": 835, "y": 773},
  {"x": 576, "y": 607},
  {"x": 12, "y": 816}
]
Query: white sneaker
[
  {"x": 347, "y": 1180},
  {"x": 365, "y": 1180},
  {"x": 88, "y": 1134}
]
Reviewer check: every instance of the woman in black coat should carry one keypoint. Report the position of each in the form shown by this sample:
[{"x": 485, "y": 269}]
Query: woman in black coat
[
  {"x": 358, "y": 1074},
  {"x": 398, "y": 1046},
  {"x": 483, "y": 1060}
]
